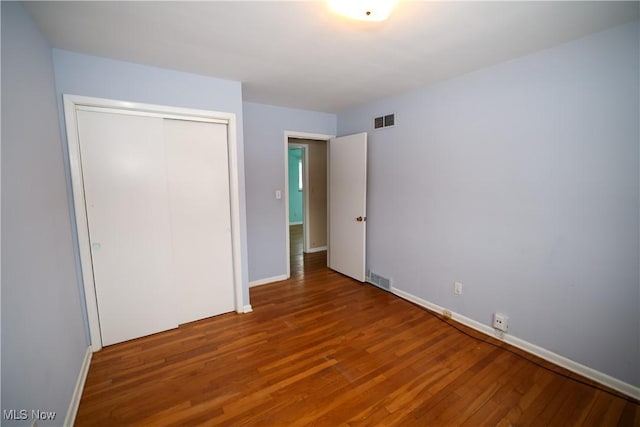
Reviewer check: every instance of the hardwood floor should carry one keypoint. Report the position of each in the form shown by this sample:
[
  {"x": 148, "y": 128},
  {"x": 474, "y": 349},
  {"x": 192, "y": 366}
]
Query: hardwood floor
[
  {"x": 321, "y": 349},
  {"x": 302, "y": 263}
]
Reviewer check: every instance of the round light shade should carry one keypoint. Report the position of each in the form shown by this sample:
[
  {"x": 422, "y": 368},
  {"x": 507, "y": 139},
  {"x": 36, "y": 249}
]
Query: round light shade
[{"x": 363, "y": 10}]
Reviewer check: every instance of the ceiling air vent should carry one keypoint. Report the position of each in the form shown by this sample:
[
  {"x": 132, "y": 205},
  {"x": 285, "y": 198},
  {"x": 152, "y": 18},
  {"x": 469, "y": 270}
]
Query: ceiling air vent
[{"x": 384, "y": 121}]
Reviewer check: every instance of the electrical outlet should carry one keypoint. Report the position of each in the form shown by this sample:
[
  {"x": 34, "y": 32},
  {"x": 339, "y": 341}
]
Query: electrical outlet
[
  {"x": 500, "y": 322},
  {"x": 457, "y": 288}
]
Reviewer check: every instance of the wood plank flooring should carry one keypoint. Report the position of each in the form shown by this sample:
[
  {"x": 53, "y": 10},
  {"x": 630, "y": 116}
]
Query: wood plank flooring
[
  {"x": 321, "y": 349},
  {"x": 301, "y": 262}
]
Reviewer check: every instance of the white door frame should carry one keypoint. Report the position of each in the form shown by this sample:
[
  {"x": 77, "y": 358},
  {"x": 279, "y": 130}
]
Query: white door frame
[
  {"x": 71, "y": 103},
  {"x": 299, "y": 135}
]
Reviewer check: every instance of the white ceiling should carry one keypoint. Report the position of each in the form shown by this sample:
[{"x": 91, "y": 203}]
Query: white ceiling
[{"x": 298, "y": 54}]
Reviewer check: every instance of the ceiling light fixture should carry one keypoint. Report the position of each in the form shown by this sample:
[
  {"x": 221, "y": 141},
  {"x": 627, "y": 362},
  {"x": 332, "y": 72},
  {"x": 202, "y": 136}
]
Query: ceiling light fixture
[{"x": 363, "y": 10}]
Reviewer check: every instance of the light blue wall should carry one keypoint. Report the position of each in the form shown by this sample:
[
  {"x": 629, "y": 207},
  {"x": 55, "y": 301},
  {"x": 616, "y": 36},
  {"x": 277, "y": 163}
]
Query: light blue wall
[
  {"x": 43, "y": 339},
  {"x": 295, "y": 195},
  {"x": 522, "y": 182},
  {"x": 79, "y": 74},
  {"x": 264, "y": 128}
]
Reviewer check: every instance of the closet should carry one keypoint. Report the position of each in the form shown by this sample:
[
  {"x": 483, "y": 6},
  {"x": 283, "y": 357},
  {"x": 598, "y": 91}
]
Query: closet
[{"x": 156, "y": 195}]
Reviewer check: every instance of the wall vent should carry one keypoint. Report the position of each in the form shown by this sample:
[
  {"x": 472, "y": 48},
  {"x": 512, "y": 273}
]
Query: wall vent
[
  {"x": 384, "y": 121},
  {"x": 379, "y": 281}
]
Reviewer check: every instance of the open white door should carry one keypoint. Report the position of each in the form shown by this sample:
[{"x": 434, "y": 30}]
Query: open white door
[{"x": 348, "y": 205}]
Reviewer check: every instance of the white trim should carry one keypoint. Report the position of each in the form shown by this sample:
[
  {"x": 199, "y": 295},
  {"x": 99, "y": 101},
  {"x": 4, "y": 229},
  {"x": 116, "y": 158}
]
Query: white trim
[
  {"x": 150, "y": 114},
  {"x": 234, "y": 193},
  {"x": 318, "y": 249},
  {"x": 268, "y": 280},
  {"x": 71, "y": 104},
  {"x": 72, "y": 412},
  {"x": 75, "y": 166},
  {"x": 296, "y": 223},
  {"x": 247, "y": 309},
  {"x": 564, "y": 362},
  {"x": 154, "y": 109},
  {"x": 301, "y": 135}
]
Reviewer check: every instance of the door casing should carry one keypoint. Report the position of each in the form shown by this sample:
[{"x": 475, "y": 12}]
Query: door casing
[{"x": 299, "y": 135}]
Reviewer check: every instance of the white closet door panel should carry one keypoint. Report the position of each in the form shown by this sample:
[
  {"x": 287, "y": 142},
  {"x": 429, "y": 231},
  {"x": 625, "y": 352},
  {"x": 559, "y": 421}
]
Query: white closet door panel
[
  {"x": 124, "y": 172},
  {"x": 198, "y": 179}
]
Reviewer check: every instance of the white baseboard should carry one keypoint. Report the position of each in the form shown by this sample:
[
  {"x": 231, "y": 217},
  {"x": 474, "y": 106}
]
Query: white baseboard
[
  {"x": 247, "y": 309},
  {"x": 318, "y": 249},
  {"x": 296, "y": 223},
  {"x": 268, "y": 280},
  {"x": 571, "y": 365},
  {"x": 77, "y": 392}
]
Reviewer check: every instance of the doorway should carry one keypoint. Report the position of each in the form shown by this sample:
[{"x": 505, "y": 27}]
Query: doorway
[
  {"x": 297, "y": 161},
  {"x": 306, "y": 202}
]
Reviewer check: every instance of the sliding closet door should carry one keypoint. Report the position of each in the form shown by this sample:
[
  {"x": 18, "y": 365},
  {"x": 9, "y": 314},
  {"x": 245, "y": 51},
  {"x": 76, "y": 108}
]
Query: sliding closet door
[
  {"x": 198, "y": 180},
  {"x": 125, "y": 182}
]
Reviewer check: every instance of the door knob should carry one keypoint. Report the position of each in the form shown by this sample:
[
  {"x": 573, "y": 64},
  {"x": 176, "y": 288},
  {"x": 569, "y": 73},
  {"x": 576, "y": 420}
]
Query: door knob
[{"x": 361, "y": 218}]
